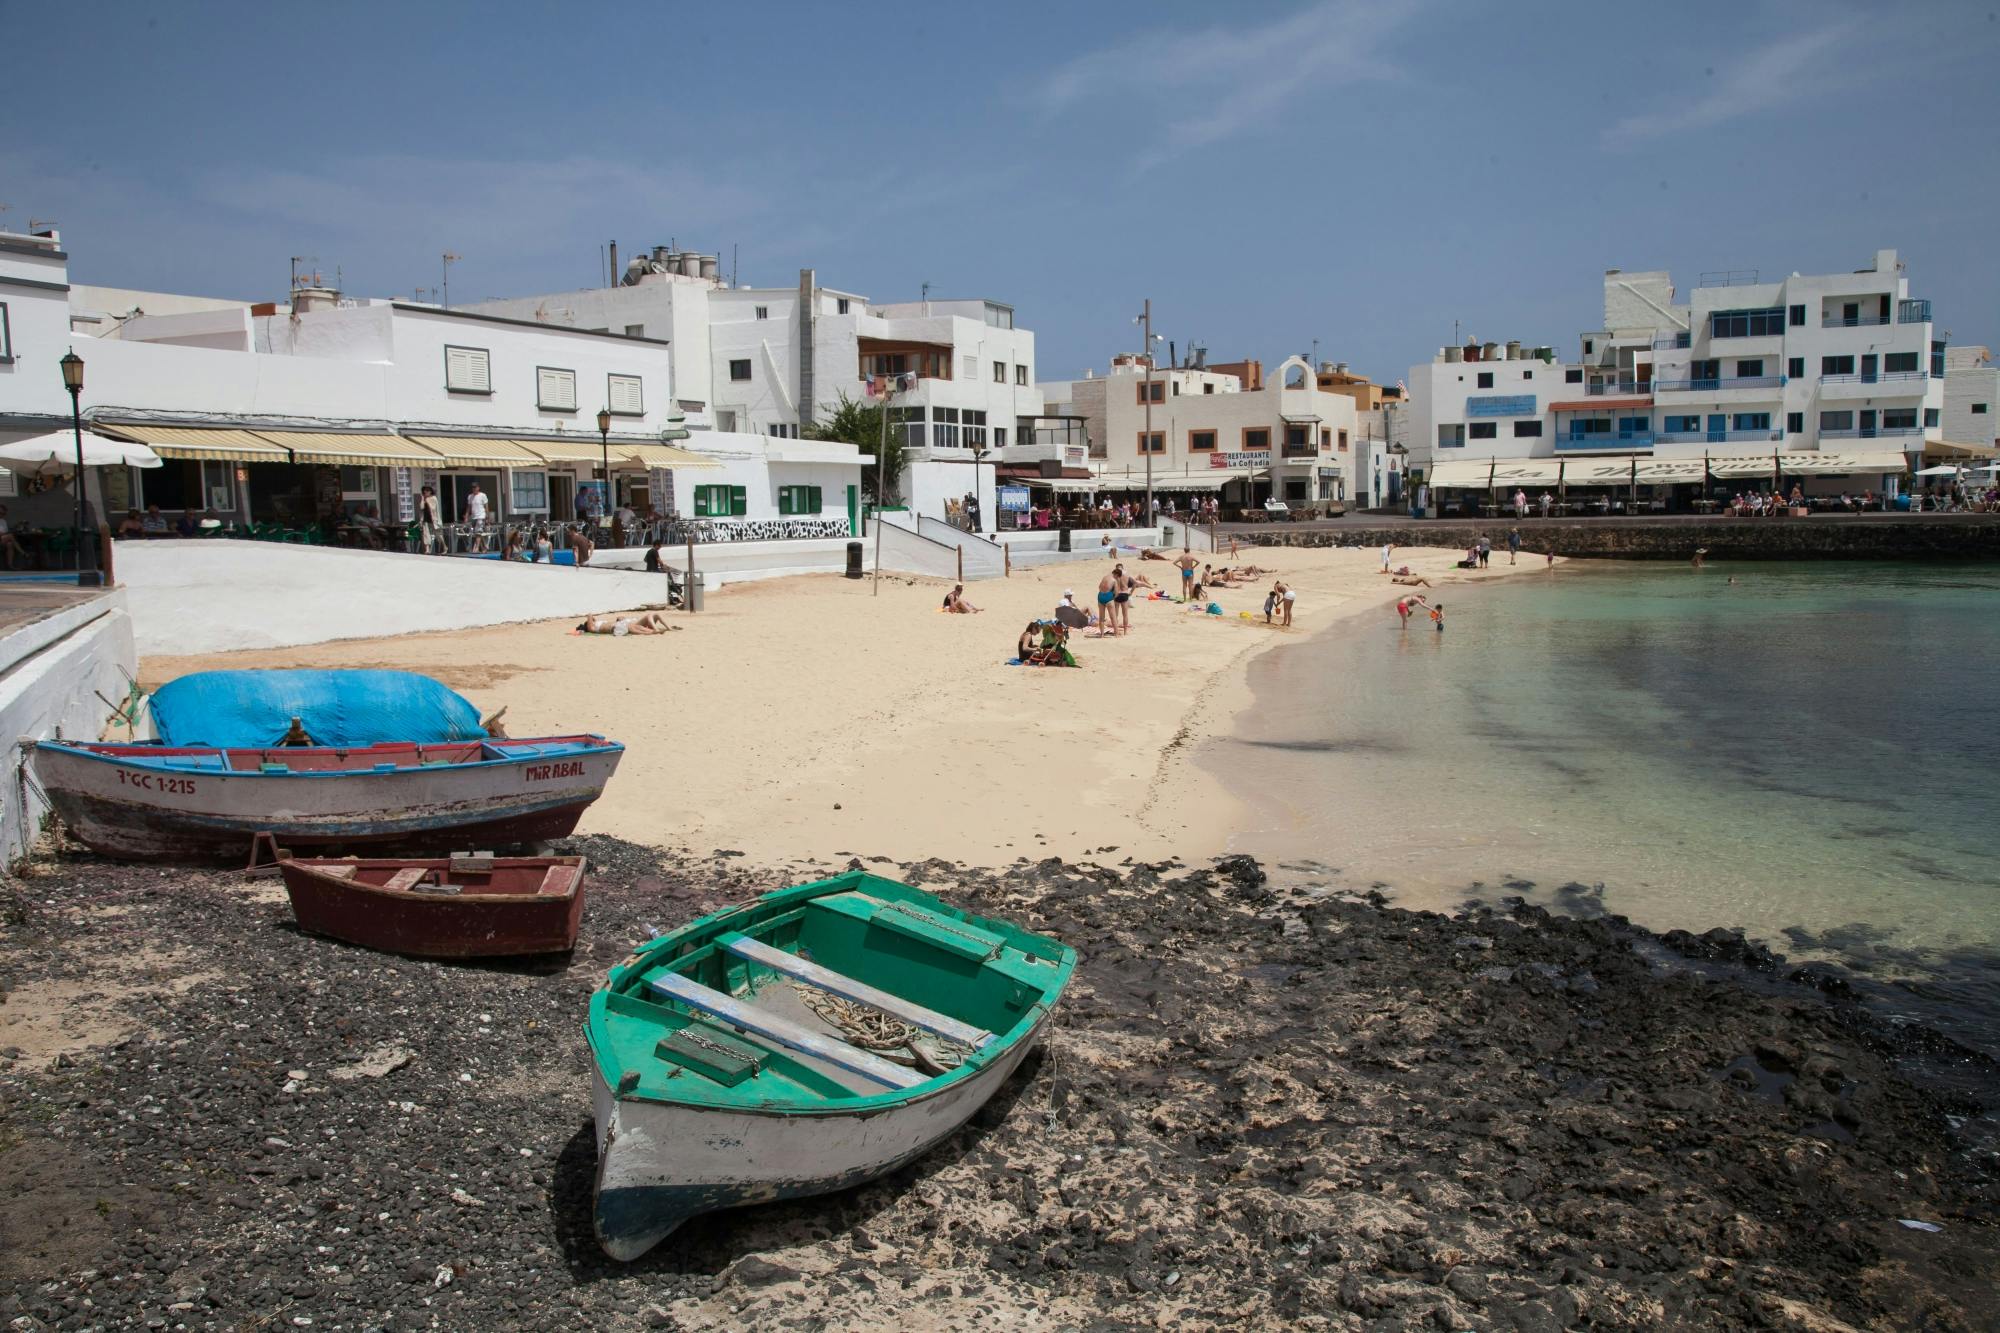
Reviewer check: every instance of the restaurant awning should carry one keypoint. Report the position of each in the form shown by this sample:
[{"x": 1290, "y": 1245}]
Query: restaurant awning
[
  {"x": 1810, "y": 463},
  {"x": 351, "y": 450},
  {"x": 1064, "y": 485},
  {"x": 662, "y": 455},
  {"x": 199, "y": 442},
  {"x": 565, "y": 451},
  {"x": 1505, "y": 472},
  {"x": 1951, "y": 449},
  {"x": 479, "y": 451}
]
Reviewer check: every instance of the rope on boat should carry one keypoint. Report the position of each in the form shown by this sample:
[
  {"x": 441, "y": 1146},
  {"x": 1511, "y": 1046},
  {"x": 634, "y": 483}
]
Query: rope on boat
[{"x": 871, "y": 1029}]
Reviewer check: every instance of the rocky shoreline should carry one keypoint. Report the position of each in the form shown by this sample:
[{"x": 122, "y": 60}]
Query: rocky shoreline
[{"x": 1258, "y": 1107}]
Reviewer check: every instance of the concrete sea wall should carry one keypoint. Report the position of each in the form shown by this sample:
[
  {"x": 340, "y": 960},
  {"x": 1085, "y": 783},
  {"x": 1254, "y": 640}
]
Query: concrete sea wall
[{"x": 1862, "y": 537}]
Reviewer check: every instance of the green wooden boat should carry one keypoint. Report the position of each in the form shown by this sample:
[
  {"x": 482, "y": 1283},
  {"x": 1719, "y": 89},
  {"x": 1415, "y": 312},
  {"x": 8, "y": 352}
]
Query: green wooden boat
[{"x": 802, "y": 1043}]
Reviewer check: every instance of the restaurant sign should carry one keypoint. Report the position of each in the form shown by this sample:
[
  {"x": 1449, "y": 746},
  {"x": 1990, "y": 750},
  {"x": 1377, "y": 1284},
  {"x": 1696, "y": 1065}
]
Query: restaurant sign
[
  {"x": 1261, "y": 458},
  {"x": 1013, "y": 498}
]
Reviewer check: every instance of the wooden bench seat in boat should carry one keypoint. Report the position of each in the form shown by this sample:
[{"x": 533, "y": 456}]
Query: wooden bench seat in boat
[
  {"x": 772, "y": 1027},
  {"x": 848, "y": 988}
]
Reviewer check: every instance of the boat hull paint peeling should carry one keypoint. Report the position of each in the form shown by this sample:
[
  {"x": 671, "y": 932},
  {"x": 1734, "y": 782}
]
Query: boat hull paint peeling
[
  {"x": 143, "y": 808},
  {"x": 660, "y": 1164}
]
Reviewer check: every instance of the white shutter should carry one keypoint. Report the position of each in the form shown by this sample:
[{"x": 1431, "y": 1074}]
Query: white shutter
[
  {"x": 555, "y": 388},
  {"x": 627, "y": 395},
  {"x": 466, "y": 370}
]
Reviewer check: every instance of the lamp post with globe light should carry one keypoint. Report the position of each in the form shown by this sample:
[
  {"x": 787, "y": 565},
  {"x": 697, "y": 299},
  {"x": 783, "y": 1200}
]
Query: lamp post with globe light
[
  {"x": 72, "y": 373},
  {"x": 604, "y": 443}
]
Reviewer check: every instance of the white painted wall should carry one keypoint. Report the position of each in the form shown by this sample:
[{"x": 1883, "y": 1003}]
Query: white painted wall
[
  {"x": 49, "y": 669},
  {"x": 34, "y": 287},
  {"x": 217, "y": 596},
  {"x": 670, "y": 307},
  {"x": 929, "y": 482},
  {"x": 1973, "y": 382}
]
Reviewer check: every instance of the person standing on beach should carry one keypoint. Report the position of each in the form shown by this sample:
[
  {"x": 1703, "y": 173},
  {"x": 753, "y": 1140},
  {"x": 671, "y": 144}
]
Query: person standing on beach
[
  {"x": 1485, "y": 551},
  {"x": 1405, "y": 606},
  {"x": 1287, "y": 597},
  {"x": 1387, "y": 551},
  {"x": 1107, "y": 612},
  {"x": 1552, "y": 557},
  {"x": 1513, "y": 544},
  {"x": 1186, "y": 564},
  {"x": 1121, "y": 599}
]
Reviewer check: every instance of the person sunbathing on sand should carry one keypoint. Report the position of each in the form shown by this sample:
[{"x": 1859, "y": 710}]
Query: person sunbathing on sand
[
  {"x": 650, "y": 623},
  {"x": 1411, "y": 580},
  {"x": 954, "y": 601}
]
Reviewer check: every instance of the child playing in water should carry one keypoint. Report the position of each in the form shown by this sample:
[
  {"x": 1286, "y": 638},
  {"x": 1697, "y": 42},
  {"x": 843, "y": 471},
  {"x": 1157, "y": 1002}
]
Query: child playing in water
[{"x": 1437, "y": 617}]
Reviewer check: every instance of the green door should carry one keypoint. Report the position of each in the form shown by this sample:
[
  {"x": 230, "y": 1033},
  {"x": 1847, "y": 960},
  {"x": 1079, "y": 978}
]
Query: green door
[{"x": 854, "y": 511}]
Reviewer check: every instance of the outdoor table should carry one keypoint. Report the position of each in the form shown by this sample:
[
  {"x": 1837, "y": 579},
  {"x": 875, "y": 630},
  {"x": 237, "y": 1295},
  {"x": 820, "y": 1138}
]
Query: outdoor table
[{"x": 1706, "y": 506}]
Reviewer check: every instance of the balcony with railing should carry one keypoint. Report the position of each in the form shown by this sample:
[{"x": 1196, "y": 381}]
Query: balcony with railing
[
  {"x": 1852, "y": 321},
  {"x": 1720, "y": 385},
  {"x": 1718, "y": 436},
  {"x": 1882, "y": 384},
  {"x": 1872, "y": 432},
  {"x": 1673, "y": 340},
  {"x": 1913, "y": 312},
  {"x": 1598, "y": 388},
  {"x": 1605, "y": 439}
]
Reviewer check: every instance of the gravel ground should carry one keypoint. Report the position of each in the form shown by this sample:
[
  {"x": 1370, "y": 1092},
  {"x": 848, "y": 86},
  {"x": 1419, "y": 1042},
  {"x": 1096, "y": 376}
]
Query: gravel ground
[{"x": 1255, "y": 1109}]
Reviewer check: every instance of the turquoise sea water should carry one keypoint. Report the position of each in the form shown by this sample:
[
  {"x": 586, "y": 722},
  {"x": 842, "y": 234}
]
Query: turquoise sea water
[{"x": 1810, "y": 753}]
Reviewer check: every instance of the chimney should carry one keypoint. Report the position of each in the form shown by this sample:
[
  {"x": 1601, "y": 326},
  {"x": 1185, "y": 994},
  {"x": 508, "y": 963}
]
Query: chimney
[
  {"x": 614, "y": 264},
  {"x": 305, "y": 300}
]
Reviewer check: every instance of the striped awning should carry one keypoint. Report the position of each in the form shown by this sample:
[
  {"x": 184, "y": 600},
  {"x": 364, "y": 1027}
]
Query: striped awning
[
  {"x": 350, "y": 450},
  {"x": 662, "y": 455},
  {"x": 480, "y": 451},
  {"x": 565, "y": 451},
  {"x": 195, "y": 442}
]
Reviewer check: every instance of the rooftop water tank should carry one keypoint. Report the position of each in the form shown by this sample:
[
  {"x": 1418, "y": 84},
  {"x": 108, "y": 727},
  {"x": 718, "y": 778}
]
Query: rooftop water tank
[
  {"x": 711, "y": 267},
  {"x": 1514, "y": 350},
  {"x": 1454, "y": 354}
]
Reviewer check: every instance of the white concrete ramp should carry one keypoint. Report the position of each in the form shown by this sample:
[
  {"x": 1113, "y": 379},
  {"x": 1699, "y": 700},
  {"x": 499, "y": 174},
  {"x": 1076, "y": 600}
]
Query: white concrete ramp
[{"x": 215, "y": 596}]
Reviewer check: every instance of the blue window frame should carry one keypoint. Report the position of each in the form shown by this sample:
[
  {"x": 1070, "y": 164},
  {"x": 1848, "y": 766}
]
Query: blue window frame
[
  {"x": 1634, "y": 425},
  {"x": 1751, "y": 421},
  {"x": 1684, "y": 423}
]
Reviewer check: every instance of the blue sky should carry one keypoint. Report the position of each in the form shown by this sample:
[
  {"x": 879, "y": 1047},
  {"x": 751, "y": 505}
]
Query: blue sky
[{"x": 1267, "y": 174}]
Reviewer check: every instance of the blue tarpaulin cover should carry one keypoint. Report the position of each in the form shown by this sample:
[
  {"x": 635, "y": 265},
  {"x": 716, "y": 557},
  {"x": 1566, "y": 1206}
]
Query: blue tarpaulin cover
[{"x": 252, "y": 709}]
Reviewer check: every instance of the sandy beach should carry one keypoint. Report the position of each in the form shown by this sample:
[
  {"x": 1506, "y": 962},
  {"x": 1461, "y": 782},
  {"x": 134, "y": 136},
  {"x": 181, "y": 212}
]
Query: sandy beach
[{"x": 814, "y": 718}]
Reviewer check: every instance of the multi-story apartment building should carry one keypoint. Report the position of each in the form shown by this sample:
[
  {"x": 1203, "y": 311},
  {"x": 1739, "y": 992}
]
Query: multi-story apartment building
[
  {"x": 772, "y": 360},
  {"x": 1840, "y": 364},
  {"x": 1289, "y": 439}
]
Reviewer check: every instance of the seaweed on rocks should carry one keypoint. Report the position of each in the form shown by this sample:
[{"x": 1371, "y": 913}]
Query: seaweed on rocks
[{"x": 1257, "y": 1107}]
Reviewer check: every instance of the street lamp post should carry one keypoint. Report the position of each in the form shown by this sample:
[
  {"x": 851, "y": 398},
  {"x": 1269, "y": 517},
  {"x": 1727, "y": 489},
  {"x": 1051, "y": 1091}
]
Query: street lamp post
[
  {"x": 72, "y": 373},
  {"x": 1145, "y": 319},
  {"x": 604, "y": 443}
]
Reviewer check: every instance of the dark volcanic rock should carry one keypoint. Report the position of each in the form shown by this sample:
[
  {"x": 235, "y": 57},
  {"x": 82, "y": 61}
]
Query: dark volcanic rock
[{"x": 1256, "y": 1108}]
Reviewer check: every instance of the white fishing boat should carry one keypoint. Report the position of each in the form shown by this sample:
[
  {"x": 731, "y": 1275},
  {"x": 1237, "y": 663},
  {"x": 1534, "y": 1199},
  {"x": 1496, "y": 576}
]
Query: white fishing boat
[{"x": 800, "y": 1044}]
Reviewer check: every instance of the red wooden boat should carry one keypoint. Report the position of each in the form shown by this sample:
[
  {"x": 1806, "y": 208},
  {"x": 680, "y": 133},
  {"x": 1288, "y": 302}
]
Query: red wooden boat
[{"x": 467, "y": 906}]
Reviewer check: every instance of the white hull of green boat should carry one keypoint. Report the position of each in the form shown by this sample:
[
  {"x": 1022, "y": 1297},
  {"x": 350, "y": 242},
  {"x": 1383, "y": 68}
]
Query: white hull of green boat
[{"x": 661, "y": 1163}]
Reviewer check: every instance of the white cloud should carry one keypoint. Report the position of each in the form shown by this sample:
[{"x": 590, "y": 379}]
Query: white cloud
[
  {"x": 1784, "y": 71},
  {"x": 1228, "y": 79}
]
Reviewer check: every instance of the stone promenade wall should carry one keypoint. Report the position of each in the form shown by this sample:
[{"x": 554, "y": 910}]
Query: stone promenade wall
[{"x": 1869, "y": 537}]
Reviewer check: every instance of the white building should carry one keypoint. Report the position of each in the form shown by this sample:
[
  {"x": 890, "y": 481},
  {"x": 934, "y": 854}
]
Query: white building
[
  {"x": 772, "y": 360},
  {"x": 1215, "y": 430},
  {"x": 1844, "y": 369},
  {"x": 297, "y": 413},
  {"x": 1971, "y": 403}
]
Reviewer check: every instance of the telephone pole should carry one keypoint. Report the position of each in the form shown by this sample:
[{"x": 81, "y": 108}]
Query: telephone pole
[{"x": 1145, "y": 321}]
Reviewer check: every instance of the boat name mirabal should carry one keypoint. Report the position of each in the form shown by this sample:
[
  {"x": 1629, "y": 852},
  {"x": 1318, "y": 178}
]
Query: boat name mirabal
[
  {"x": 159, "y": 783},
  {"x": 572, "y": 768}
]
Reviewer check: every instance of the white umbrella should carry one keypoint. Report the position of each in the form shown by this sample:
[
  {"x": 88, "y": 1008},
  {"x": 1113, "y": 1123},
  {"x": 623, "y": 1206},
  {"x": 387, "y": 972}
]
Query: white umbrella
[
  {"x": 1941, "y": 470},
  {"x": 58, "y": 448}
]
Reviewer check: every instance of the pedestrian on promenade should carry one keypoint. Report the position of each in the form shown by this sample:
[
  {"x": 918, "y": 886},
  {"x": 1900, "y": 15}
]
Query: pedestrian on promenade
[
  {"x": 1513, "y": 544},
  {"x": 1520, "y": 503},
  {"x": 1485, "y": 551},
  {"x": 430, "y": 518}
]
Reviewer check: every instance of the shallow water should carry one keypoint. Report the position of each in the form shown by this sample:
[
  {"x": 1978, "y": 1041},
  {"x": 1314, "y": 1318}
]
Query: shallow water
[{"x": 1809, "y": 753}]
